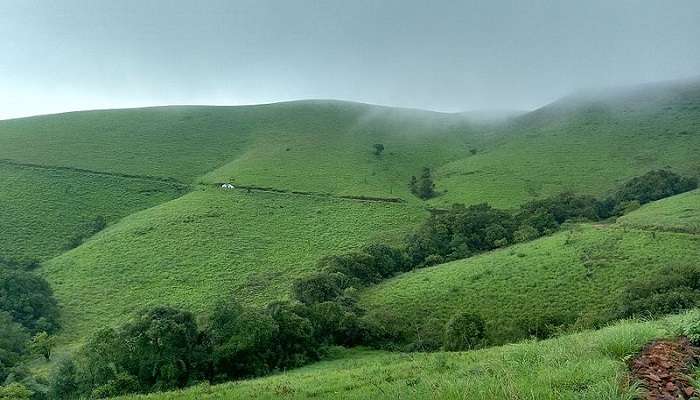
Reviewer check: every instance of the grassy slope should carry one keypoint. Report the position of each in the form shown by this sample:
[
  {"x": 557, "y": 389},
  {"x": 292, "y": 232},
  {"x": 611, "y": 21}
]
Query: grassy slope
[
  {"x": 209, "y": 244},
  {"x": 678, "y": 213},
  {"x": 587, "y": 365},
  {"x": 578, "y": 274},
  {"x": 323, "y": 146},
  {"x": 42, "y": 209},
  {"x": 586, "y": 143}
]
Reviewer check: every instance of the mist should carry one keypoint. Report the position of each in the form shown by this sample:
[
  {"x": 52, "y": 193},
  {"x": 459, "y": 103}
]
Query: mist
[{"x": 450, "y": 56}]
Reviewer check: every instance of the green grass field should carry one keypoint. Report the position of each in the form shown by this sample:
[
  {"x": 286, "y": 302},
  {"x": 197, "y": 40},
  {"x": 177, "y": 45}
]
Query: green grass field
[
  {"x": 575, "y": 275},
  {"x": 583, "y": 144},
  {"x": 678, "y": 213},
  {"x": 42, "y": 209},
  {"x": 587, "y": 365},
  {"x": 210, "y": 244}
]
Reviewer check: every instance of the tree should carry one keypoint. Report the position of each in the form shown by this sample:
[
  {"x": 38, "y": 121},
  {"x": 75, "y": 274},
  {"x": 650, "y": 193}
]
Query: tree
[
  {"x": 378, "y": 149},
  {"x": 15, "y": 391},
  {"x": 240, "y": 340},
  {"x": 318, "y": 287},
  {"x": 13, "y": 344},
  {"x": 28, "y": 298},
  {"x": 63, "y": 383},
  {"x": 42, "y": 344},
  {"x": 423, "y": 187},
  {"x": 464, "y": 331}
]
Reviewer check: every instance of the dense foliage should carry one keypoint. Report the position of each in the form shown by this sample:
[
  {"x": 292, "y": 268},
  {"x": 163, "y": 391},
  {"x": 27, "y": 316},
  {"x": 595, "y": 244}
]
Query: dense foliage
[
  {"x": 674, "y": 290},
  {"x": 28, "y": 298},
  {"x": 464, "y": 331},
  {"x": 423, "y": 186}
]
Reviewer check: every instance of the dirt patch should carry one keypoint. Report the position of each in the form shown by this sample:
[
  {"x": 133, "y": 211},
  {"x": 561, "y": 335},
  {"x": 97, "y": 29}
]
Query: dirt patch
[{"x": 664, "y": 369}]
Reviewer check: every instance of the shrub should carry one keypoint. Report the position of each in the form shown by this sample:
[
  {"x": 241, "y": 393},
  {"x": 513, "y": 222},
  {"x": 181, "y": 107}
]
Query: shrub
[
  {"x": 318, "y": 287},
  {"x": 423, "y": 186},
  {"x": 15, "y": 391},
  {"x": 525, "y": 233},
  {"x": 464, "y": 331},
  {"x": 691, "y": 329},
  {"x": 675, "y": 289}
]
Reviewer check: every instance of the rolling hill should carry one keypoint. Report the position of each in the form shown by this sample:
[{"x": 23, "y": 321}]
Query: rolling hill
[
  {"x": 210, "y": 244},
  {"x": 575, "y": 277},
  {"x": 175, "y": 236}
]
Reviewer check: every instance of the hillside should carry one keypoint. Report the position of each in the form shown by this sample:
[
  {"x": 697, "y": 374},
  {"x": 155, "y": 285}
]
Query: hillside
[
  {"x": 43, "y": 209},
  {"x": 175, "y": 236},
  {"x": 678, "y": 213},
  {"x": 587, "y": 365},
  {"x": 586, "y": 143},
  {"x": 210, "y": 244},
  {"x": 575, "y": 277}
]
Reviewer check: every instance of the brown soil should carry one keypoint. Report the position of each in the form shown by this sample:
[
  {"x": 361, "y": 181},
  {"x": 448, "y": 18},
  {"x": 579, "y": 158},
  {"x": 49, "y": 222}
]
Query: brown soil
[{"x": 664, "y": 369}]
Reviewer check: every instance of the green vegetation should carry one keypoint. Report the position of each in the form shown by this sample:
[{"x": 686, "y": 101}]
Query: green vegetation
[
  {"x": 211, "y": 243},
  {"x": 587, "y": 365},
  {"x": 124, "y": 210},
  {"x": 678, "y": 213},
  {"x": 574, "y": 277},
  {"x": 43, "y": 211}
]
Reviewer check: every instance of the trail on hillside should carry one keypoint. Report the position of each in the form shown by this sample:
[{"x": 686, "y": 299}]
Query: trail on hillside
[{"x": 260, "y": 189}]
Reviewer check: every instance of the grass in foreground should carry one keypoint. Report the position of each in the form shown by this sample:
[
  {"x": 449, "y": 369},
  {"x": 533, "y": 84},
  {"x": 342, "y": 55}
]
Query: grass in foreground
[
  {"x": 210, "y": 244},
  {"x": 586, "y": 365}
]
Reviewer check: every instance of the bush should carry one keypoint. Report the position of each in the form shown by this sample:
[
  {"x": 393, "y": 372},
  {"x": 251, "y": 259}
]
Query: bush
[
  {"x": 15, "y": 391},
  {"x": 318, "y": 287},
  {"x": 464, "y": 331},
  {"x": 691, "y": 329},
  {"x": 674, "y": 290}
]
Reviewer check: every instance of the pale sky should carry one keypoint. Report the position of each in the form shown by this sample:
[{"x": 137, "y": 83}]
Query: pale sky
[{"x": 64, "y": 55}]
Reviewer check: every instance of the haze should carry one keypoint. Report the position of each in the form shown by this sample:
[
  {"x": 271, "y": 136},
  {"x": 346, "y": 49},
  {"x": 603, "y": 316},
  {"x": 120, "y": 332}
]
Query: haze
[{"x": 442, "y": 55}]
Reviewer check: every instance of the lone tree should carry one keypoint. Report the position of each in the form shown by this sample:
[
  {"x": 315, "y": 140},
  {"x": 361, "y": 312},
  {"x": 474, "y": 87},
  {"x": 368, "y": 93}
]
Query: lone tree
[
  {"x": 423, "y": 187},
  {"x": 378, "y": 149}
]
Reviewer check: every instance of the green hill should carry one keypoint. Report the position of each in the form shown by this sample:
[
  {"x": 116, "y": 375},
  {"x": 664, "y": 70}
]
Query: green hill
[
  {"x": 575, "y": 277},
  {"x": 175, "y": 236},
  {"x": 678, "y": 213},
  {"x": 210, "y": 244},
  {"x": 43, "y": 209},
  {"x": 587, "y": 365},
  {"x": 586, "y": 143}
]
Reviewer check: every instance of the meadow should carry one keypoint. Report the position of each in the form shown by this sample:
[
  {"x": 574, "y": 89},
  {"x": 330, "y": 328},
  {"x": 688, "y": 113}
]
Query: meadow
[
  {"x": 210, "y": 244},
  {"x": 678, "y": 213},
  {"x": 43, "y": 209},
  {"x": 585, "y": 365}
]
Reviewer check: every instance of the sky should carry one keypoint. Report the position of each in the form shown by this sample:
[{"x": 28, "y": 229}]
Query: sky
[{"x": 449, "y": 56}]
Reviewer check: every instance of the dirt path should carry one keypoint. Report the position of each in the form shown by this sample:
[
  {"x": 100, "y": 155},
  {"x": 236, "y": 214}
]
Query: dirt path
[{"x": 664, "y": 368}]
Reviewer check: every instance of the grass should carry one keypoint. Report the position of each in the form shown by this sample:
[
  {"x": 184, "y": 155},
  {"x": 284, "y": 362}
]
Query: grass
[
  {"x": 210, "y": 244},
  {"x": 42, "y": 209},
  {"x": 587, "y": 365},
  {"x": 583, "y": 144},
  {"x": 678, "y": 213},
  {"x": 321, "y": 146},
  {"x": 576, "y": 276}
]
